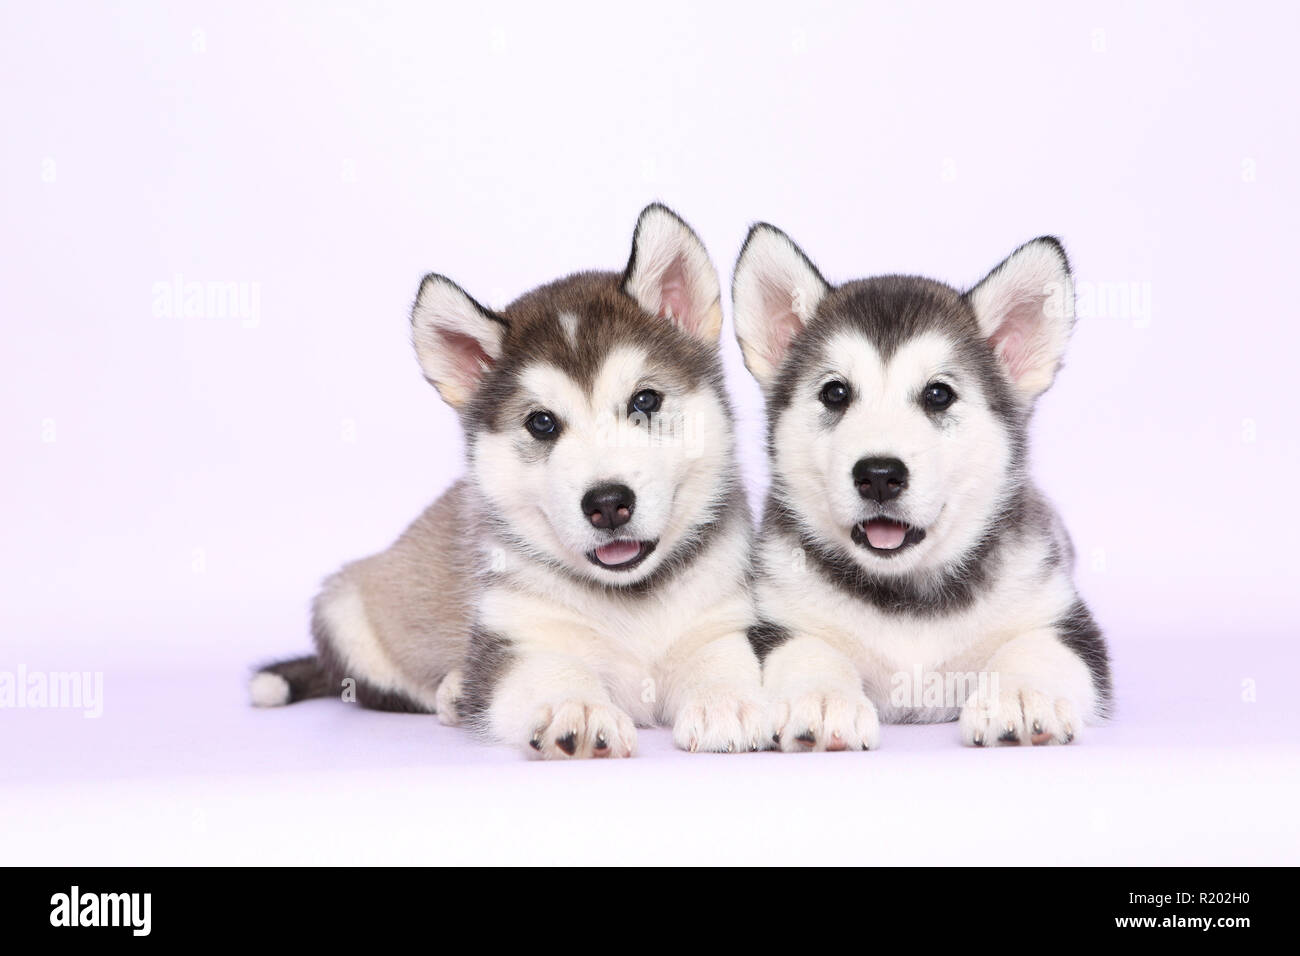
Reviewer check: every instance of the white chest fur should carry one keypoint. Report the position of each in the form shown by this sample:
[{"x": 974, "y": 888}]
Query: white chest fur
[
  {"x": 633, "y": 640},
  {"x": 900, "y": 651}
]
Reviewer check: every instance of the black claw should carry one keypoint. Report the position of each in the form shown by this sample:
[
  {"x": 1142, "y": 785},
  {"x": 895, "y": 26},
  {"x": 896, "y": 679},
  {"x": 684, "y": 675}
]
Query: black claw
[
  {"x": 535, "y": 743},
  {"x": 1038, "y": 727},
  {"x": 568, "y": 743},
  {"x": 1069, "y": 737},
  {"x": 601, "y": 742},
  {"x": 865, "y": 747},
  {"x": 776, "y": 739},
  {"x": 979, "y": 741},
  {"x": 1009, "y": 737},
  {"x": 807, "y": 738}
]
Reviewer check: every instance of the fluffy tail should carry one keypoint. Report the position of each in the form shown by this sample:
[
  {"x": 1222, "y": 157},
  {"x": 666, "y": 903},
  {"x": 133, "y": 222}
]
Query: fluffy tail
[{"x": 287, "y": 682}]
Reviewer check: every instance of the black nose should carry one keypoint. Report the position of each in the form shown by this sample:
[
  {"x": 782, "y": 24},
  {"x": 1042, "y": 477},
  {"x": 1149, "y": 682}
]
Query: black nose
[
  {"x": 880, "y": 479},
  {"x": 609, "y": 506}
]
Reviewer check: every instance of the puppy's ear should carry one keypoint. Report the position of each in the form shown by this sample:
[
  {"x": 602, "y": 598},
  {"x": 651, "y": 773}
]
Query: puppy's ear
[
  {"x": 775, "y": 291},
  {"x": 671, "y": 276},
  {"x": 456, "y": 340},
  {"x": 1025, "y": 309}
]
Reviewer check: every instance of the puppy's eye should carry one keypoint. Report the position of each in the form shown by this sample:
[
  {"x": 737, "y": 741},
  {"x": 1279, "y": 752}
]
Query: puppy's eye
[
  {"x": 646, "y": 401},
  {"x": 835, "y": 394},
  {"x": 543, "y": 426},
  {"x": 937, "y": 397}
]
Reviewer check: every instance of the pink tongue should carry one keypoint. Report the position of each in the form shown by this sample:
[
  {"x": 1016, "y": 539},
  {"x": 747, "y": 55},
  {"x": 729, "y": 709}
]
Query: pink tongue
[
  {"x": 617, "y": 552},
  {"x": 883, "y": 534}
]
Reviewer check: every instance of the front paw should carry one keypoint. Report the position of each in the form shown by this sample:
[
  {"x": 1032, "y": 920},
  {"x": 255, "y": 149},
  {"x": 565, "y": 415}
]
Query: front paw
[
  {"x": 723, "y": 721},
  {"x": 826, "y": 721},
  {"x": 1018, "y": 716},
  {"x": 579, "y": 729}
]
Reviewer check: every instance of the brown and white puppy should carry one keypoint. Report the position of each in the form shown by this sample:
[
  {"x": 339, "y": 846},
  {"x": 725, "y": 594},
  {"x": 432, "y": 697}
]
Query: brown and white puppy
[
  {"x": 907, "y": 568},
  {"x": 588, "y": 574}
]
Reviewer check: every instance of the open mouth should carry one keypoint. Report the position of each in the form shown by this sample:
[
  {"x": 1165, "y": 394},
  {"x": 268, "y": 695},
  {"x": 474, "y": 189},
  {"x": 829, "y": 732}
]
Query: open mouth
[
  {"x": 885, "y": 536},
  {"x": 621, "y": 555}
]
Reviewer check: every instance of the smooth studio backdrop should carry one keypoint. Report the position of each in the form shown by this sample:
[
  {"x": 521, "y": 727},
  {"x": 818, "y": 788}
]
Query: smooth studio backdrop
[{"x": 215, "y": 219}]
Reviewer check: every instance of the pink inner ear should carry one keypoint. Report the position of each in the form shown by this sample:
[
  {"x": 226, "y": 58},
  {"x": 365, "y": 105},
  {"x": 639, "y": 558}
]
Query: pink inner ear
[
  {"x": 782, "y": 324},
  {"x": 1016, "y": 339},
  {"x": 675, "y": 297},
  {"x": 466, "y": 357},
  {"x": 782, "y": 332}
]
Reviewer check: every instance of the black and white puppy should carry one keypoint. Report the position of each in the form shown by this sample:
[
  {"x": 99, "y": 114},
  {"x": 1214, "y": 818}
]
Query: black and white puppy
[
  {"x": 907, "y": 569},
  {"x": 588, "y": 575}
]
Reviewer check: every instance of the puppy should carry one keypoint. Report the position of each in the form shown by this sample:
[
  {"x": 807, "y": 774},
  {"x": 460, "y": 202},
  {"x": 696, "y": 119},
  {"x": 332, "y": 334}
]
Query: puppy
[
  {"x": 907, "y": 568},
  {"x": 588, "y": 575}
]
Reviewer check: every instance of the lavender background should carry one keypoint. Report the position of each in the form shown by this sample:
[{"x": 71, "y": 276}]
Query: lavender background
[{"x": 177, "y": 481}]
